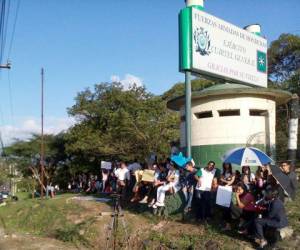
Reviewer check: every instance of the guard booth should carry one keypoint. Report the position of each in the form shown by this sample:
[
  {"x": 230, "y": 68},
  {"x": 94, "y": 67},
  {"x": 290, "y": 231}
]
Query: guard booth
[{"x": 230, "y": 115}]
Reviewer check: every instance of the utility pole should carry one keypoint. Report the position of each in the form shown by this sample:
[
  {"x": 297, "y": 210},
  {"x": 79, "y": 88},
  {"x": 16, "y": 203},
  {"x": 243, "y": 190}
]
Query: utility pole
[
  {"x": 293, "y": 130},
  {"x": 42, "y": 134}
]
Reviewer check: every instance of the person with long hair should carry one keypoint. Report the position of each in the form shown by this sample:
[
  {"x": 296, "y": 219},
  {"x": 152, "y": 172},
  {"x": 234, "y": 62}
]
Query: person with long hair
[
  {"x": 241, "y": 208},
  {"x": 172, "y": 185},
  {"x": 247, "y": 177},
  {"x": 227, "y": 176}
]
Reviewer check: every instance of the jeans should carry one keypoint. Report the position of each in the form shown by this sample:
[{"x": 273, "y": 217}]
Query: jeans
[
  {"x": 204, "y": 206},
  {"x": 260, "y": 224},
  {"x": 188, "y": 194},
  {"x": 161, "y": 194}
]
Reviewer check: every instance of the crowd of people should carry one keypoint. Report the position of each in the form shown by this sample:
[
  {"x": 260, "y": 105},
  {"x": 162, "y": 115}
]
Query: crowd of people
[{"x": 257, "y": 200}]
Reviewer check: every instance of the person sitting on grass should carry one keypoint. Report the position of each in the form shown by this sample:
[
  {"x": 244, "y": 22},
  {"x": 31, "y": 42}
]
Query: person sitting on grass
[
  {"x": 242, "y": 208},
  {"x": 275, "y": 218},
  {"x": 159, "y": 180},
  {"x": 172, "y": 185}
]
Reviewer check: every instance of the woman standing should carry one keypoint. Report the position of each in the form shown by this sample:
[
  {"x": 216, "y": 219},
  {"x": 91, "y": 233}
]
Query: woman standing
[
  {"x": 247, "y": 177},
  {"x": 227, "y": 176}
]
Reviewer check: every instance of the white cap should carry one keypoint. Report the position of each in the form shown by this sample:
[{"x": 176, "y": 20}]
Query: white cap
[
  {"x": 253, "y": 28},
  {"x": 194, "y": 2}
]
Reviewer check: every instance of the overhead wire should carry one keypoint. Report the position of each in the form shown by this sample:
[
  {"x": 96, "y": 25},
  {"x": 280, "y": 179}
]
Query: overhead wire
[
  {"x": 13, "y": 29},
  {"x": 10, "y": 95},
  {"x": 2, "y": 29},
  {"x": 7, "y": 11}
]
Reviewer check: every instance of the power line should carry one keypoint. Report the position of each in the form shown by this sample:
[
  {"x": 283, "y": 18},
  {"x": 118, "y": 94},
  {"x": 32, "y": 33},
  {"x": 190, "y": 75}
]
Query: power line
[
  {"x": 10, "y": 95},
  {"x": 2, "y": 28},
  {"x": 14, "y": 29}
]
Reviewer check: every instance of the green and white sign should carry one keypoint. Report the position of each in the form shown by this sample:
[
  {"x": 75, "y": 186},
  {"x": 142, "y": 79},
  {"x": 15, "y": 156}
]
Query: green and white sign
[{"x": 213, "y": 47}]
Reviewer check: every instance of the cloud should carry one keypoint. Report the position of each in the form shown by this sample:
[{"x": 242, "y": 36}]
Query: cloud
[
  {"x": 29, "y": 126},
  {"x": 128, "y": 81}
]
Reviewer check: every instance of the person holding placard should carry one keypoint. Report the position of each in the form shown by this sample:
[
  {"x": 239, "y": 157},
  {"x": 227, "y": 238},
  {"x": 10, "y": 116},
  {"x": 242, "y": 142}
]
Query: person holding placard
[{"x": 242, "y": 208}]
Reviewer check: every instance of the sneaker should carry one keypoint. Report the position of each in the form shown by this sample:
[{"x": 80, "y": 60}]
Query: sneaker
[
  {"x": 243, "y": 231},
  {"x": 144, "y": 201},
  {"x": 263, "y": 243},
  {"x": 152, "y": 203},
  {"x": 159, "y": 204}
]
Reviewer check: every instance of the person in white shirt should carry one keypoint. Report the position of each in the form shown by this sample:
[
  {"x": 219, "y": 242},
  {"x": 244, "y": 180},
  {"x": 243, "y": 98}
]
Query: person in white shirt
[
  {"x": 172, "y": 185},
  {"x": 123, "y": 177}
]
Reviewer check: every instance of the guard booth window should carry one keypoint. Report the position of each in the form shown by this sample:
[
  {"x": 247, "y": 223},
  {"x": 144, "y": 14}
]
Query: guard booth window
[
  {"x": 229, "y": 112},
  {"x": 258, "y": 112},
  {"x": 204, "y": 114}
]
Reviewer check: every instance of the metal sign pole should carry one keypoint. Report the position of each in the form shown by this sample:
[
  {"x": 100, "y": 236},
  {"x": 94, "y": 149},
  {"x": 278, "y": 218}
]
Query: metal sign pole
[
  {"x": 188, "y": 91},
  {"x": 188, "y": 95}
]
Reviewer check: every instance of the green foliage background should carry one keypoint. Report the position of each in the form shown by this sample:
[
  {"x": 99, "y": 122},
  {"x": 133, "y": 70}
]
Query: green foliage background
[{"x": 113, "y": 123}]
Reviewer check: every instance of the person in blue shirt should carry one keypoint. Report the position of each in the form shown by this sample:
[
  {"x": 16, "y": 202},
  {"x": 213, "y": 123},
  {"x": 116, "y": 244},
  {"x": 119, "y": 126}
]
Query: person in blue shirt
[{"x": 275, "y": 218}]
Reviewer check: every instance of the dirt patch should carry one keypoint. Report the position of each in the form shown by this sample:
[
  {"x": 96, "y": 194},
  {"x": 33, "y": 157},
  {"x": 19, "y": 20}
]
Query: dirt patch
[{"x": 27, "y": 242}]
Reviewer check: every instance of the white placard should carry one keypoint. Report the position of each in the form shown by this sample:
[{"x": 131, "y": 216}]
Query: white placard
[
  {"x": 223, "y": 50},
  {"x": 224, "y": 194},
  {"x": 106, "y": 165}
]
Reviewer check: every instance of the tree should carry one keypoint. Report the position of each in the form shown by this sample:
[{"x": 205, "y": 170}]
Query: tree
[
  {"x": 284, "y": 73},
  {"x": 284, "y": 58},
  {"x": 26, "y": 154},
  {"x": 114, "y": 123},
  {"x": 179, "y": 88}
]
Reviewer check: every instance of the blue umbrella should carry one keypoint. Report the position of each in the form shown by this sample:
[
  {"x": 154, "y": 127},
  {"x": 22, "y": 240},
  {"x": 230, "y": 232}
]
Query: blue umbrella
[{"x": 246, "y": 156}]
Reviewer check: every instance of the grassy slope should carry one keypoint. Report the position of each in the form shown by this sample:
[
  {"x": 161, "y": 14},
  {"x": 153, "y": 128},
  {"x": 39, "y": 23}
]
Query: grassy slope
[
  {"x": 44, "y": 218},
  {"x": 75, "y": 222}
]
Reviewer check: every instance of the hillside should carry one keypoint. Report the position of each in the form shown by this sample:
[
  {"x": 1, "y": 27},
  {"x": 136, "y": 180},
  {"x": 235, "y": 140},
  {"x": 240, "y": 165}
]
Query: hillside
[{"x": 69, "y": 222}]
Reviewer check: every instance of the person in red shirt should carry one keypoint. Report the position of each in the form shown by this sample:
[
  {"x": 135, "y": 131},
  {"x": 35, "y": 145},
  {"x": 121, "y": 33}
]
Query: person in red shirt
[{"x": 242, "y": 208}]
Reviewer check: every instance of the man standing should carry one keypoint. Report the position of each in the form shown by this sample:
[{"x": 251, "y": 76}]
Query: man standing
[
  {"x": 207, "y": 184},
  {"x": 123, "y": 177},
  {"x": 189, "y": 184},
  {"x": 285, "y": 167}
]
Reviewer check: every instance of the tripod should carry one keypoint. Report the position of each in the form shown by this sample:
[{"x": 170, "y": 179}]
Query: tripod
[{"x": 112, "y": 235}]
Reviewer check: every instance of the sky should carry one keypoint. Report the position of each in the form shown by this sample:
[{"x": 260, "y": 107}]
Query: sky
[{"x": 83, "y": 42}]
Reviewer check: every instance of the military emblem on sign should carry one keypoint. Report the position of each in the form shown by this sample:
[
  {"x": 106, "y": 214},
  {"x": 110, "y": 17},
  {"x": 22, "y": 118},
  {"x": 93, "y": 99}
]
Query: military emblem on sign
[
  {"x": 261, "y": 62},
  {"x": 202, "y": 41}
]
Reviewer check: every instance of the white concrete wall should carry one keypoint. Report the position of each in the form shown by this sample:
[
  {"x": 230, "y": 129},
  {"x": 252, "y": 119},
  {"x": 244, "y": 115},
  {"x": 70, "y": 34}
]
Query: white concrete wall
[{"x": 232, "y": 129}]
